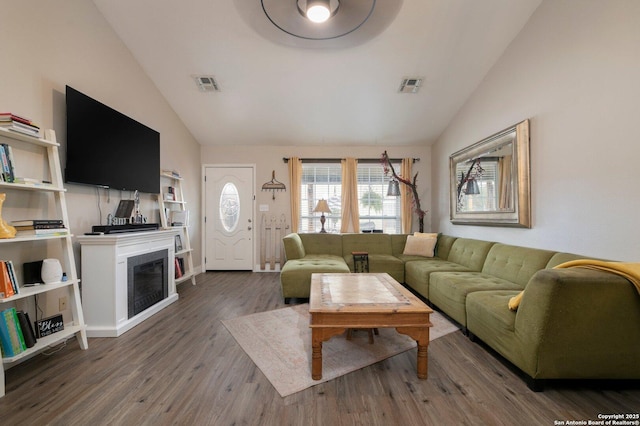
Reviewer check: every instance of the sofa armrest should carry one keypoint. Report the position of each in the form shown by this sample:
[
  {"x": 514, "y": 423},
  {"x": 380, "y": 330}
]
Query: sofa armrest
[
  {"x": 293, "y": 247},
  {"x": 576, "y": 320}
]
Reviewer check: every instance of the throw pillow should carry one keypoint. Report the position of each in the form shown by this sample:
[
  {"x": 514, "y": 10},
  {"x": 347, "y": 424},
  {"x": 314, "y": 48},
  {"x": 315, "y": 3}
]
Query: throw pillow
[
  {"x": 429, "y": 235},
  {"x": 420, "y": 246},
  {"x": 425, "y": 234}
]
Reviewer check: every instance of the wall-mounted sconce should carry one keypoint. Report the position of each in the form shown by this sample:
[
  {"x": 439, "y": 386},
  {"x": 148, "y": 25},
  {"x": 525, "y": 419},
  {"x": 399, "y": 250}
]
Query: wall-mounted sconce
[{"x": 273, "y": 185}]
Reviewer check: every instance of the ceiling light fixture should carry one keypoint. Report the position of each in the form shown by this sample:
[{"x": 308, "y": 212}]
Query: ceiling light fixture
[{"x": 318, "y": 11}]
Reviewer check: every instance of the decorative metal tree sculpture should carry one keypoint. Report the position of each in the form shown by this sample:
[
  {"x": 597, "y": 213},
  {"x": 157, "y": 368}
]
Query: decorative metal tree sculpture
[{"x": 388, "y": 167}]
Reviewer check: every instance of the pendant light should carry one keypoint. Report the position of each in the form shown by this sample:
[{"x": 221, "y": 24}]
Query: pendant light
[
  {"x": 394, "y": 188},
  {"x": 472, "y": 187}
]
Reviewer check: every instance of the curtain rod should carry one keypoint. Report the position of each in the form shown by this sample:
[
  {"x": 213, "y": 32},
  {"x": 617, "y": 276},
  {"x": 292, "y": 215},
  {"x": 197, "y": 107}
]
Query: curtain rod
[{"x": 337, "y": 160}]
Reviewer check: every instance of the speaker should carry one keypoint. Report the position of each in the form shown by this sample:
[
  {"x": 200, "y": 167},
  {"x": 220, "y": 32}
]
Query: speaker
[{"x": 31, "y": 273}]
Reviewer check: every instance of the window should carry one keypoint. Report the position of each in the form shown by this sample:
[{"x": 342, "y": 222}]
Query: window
[
  {"x": 324, "y": 180},
  {"x": 320, "y": 180},
  {"x": 377, "y": 210}
]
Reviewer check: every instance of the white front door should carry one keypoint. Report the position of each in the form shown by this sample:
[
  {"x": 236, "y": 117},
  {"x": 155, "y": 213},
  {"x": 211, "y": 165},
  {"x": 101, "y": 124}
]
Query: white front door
[{"x": 229, "y": 200}]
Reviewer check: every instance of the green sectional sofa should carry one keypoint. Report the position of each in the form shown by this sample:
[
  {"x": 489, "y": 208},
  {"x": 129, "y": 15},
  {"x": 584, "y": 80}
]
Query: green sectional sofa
[{"x": 571, "y": 323}]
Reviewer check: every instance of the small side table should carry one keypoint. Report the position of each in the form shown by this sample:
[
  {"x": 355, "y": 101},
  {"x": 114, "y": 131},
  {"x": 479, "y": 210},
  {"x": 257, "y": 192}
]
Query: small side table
[
  {"x": 360, "y": 261},
  {"x": 361, "y": 265}
]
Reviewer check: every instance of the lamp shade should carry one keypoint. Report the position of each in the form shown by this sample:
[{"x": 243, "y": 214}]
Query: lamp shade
[
  {"x": 394, "y": 188},
  {"x": 472, "y": 187},
  {"x": 322, "y": 207}
]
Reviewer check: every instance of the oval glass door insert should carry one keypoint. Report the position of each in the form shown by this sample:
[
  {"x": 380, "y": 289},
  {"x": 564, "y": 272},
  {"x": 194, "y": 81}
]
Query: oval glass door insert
[{"x": 229, "y": 207}]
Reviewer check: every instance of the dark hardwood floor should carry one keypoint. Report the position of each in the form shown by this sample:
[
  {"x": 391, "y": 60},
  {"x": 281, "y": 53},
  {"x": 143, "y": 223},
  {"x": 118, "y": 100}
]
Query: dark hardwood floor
[{"x": 182, "y": 367}]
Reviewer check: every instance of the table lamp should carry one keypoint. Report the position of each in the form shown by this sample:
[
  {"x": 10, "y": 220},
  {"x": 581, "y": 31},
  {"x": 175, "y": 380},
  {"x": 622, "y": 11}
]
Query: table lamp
[{"x": 323, "y": 208}]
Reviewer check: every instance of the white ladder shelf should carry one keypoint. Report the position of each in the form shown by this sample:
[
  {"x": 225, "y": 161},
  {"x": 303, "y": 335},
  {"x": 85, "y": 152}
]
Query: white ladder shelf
[
  {"x": 170, "y": 209},
  {"x": 11, "y": 247}
]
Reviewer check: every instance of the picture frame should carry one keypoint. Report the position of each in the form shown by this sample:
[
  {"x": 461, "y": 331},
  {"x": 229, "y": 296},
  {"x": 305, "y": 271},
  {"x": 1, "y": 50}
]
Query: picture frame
[{"x": 178, "y": 243}]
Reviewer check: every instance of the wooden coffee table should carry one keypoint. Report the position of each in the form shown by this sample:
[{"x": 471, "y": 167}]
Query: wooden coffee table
[{"x": 342, "y": 301}]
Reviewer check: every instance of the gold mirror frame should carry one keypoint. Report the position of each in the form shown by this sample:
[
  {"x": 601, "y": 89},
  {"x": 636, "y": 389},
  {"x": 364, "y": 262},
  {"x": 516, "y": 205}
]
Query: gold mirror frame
[{"x": 475, "y": 175}]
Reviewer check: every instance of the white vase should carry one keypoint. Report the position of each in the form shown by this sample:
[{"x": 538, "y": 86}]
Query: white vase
[{"x": 51, "y": 271}]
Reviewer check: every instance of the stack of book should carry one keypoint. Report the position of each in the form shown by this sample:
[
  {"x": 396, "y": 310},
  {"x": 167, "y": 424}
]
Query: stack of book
[
  {"x": 19, "y": 124},
  {"x": 171, "y": 173},
  {"x": 16, "y": 333},
  {"x": 7, "y": 164},
  {"x": 179, "y": 267},
  {"x": 40, "y": 227},
  {"x": 8, "y": 281}
]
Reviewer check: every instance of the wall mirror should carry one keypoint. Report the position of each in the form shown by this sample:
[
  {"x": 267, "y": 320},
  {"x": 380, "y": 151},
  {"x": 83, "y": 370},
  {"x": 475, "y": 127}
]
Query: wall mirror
[{"x": 490, "y": 180}]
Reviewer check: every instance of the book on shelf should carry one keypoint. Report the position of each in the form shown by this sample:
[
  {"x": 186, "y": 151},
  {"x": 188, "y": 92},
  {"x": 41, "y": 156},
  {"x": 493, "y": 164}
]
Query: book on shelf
[
  {"x": 9, "y": 116},
  {"x": 171, "y": 173},
  {"x": 7, "y": 163},
  {"x": 12, "y": 276},
  {"x": 19, "y": 124},
  {"x": 31, "y": 181},
  {"x": 40, "y": 226},
  {"x": 41, "y": 232},
  {"x": 34, "y": 222},
  {"x": 5, "y": 338},
  {"x": 178, "y": 270},
  {"x": 11, "y": 337},
  {"x": 8, "y": 281},
  {"x": 27, "y": 329}
]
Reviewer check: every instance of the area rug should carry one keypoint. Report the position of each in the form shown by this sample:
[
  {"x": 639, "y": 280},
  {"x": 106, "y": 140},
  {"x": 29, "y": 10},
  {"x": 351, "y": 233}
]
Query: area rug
[{"x": 279, "y": 343}]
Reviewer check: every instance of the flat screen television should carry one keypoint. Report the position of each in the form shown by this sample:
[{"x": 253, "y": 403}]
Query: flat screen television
[{"x": 108, "y": 149}]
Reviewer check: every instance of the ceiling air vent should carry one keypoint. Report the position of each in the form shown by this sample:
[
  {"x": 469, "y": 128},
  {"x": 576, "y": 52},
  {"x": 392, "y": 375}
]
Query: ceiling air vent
[
  {"x": 206, "y": 83},
  {"x": 410, "y": 85}
]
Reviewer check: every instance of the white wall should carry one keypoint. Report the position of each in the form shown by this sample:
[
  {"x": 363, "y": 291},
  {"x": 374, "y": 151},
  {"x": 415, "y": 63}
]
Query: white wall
[
  {"x": 268, "y": 158},
  {"x": 574, "y": 70},
  {"x": 47, "y": 45}
]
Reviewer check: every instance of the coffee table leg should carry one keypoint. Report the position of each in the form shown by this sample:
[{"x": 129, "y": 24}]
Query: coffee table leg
[
  {"x": 423, "y": 361},
  {"x": 316, "y": 355},
  {"x": 421, "y": 336},
  {"x": 319, "y": 335}
]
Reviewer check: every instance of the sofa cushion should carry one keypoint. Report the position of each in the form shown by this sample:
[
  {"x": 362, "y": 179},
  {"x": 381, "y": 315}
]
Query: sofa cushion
[
  {"x": 420, "y": 246},
  {"x": 559, "y": 258},
  {"x": 514, "y": 263},
  {"x": 382, "y": 263},
  {"x": 371, "y": 243},
  {"x": 468, "y": 252},
  {"x": 295, "y": 276},
  {"x": 417, "y": 271},
  {"x": 449, "y": 290},
  {"x": 443, "y": 246},
  {"x": 322, "y": 244},
  {"x": 489, "y": 319},
  {"x": 397, "y": 243}
]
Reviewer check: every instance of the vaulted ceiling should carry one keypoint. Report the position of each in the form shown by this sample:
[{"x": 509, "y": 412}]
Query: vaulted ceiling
[{"x": 276, "y": 89}]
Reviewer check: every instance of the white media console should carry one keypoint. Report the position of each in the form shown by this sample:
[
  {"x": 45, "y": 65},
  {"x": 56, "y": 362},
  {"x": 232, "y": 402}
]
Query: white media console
[{"x": 108, "y": 263}]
